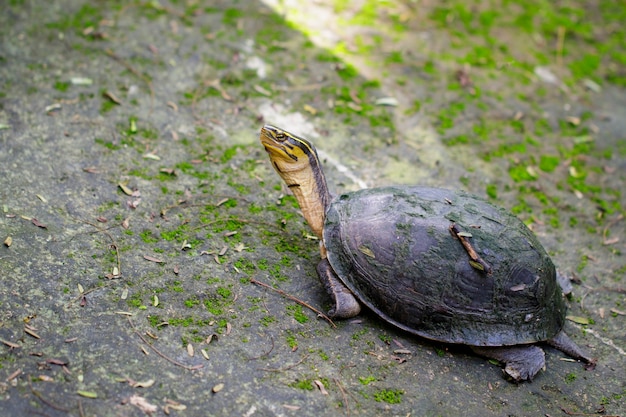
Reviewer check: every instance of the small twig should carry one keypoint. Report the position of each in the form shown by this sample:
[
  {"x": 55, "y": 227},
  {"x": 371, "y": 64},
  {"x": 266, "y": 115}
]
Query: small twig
[
  {"x": 80, "y": 408},
  {"x": 167, "y": 358},
  {"x": 286, "y": 368},
  {"x": 292, "y": 298},
  {"x": 43, "y": 400},
  {"x": 343, "y": 395},
  {"x": 478, "y": 262},
  {"x": 265, "y": 353}
]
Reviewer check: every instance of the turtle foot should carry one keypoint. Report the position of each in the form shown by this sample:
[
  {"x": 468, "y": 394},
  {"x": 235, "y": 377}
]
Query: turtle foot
[
  {"x": 566, "y": 345},
  {"x": 521, "y": 362},
  {"x": 346, "y": 305}
]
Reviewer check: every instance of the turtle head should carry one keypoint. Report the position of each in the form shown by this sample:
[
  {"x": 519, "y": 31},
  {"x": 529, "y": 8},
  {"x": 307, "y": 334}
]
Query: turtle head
[
  {"x": 295, "y": 160},
  {"x": 291, "y": 155}
]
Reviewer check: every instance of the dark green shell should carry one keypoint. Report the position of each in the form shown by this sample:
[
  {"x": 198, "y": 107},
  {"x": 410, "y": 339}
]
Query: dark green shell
[{"x": 393, "y": 249}]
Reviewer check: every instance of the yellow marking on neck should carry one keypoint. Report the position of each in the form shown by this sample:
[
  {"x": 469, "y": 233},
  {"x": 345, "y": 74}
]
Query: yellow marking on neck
[{"x": 296, "y": 161}]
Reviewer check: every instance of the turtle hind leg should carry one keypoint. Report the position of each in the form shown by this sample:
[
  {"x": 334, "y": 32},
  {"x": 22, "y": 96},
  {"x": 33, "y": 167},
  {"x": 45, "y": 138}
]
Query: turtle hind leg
[
  {"x": 521, "y": 362},
  {"x": 345, "y": 305},
  {"x": 566, "y": 345}
]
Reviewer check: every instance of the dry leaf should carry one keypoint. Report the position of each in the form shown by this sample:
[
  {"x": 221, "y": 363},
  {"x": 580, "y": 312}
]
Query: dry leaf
[
  {"x": 112, "y": 97},
  {"x": 578, "y": 319},
  {"x": 125, "y": 189},
  {"x": 38, "y": 223},
  {"x": 152, "y": 156},
  {"x": 32, "y": 333},
  {"x": 152, "y": 259},
  {"x": 133, "y": 204},
  {"x": 59, "y": 362},
  {"x": 173, "y": 405},
  {"x": 87, "y": 394},
  {"x": 10, "y": 344},
  {"x": 222, "y": 201},
  {"x": 143, "y": 404},
  {"x": 321, "y": 387},
  {"x": 144, "y": 384}
]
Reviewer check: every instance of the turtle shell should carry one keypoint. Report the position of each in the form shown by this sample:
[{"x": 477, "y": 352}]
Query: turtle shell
[{"x": 393, "y": 248}]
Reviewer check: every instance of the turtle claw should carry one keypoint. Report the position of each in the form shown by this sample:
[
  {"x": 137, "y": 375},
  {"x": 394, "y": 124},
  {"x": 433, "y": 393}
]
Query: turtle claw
[{"x": 345, "y": 305}]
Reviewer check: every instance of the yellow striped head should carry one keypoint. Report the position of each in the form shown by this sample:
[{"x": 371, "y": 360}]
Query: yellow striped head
[{"x": 288, "y": 152}]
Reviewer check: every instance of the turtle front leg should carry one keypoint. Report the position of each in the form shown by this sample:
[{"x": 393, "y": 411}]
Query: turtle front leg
[
  {"x": 522, "y": 362},
  {"x": 346, "y": 305}
]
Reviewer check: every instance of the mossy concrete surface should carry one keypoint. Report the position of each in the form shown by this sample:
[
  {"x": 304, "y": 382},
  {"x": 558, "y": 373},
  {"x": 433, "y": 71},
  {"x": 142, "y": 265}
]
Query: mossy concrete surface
[{"x": 137, "y": 207}]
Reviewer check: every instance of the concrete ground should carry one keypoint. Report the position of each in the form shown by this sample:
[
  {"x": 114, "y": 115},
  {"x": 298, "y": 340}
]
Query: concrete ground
[{"x": 138, "y": 208}]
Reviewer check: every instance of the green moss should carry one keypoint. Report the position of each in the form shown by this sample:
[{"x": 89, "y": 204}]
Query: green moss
[
  {"x": 148, "y": 237},
  {"x": 304, "y": 384},
  {"x": 390, "y": 396},
  {"x": 492, "y": 191},
  {"x": 548, "y": 163},
  {"x": 181, "y": 321},
  {"x": 267, "y": 320},
  {"x": 175, "y": 286},
  {"x": 192, "y": 302},
  {"x": 295, "y": 310},
  {"x": 571, "y": 377},
  {"x": 62, "y": 86},
  {"x": 88, "y": 15},
  {"x": 520, "y": 173},
  {"x": 135, "y": 300},
  {"x": 246, "y": 266},
  {"x": 291, "y": 341},
  {"x": 107, "y": 144},
  {"x": 367, "y": 380},
  {"x": 224, "y": 292},
  {"x": 229, "y": 154}
]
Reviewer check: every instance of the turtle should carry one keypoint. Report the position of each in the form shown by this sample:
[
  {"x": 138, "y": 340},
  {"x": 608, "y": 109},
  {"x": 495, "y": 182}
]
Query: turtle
[{"x": 440, "y": 264}]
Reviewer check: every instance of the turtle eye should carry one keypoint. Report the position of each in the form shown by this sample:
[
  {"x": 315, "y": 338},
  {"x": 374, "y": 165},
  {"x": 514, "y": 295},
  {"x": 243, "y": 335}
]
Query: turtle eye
[{"x": 280, "y": 136}]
